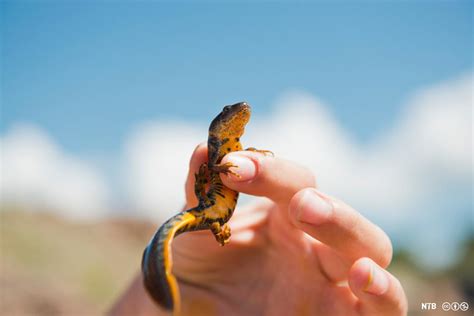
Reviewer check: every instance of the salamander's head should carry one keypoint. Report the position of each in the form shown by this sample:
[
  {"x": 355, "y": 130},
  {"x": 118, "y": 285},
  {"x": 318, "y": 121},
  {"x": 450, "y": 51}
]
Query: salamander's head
[{"x": 231, "y": 121}]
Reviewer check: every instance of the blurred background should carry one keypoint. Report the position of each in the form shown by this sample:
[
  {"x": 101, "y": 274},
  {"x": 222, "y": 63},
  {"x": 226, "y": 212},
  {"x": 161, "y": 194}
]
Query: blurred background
[{"x": 103, "y": 103}]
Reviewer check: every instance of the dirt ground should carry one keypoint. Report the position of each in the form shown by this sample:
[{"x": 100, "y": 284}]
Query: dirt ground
[{"x": 52, "y": 266}]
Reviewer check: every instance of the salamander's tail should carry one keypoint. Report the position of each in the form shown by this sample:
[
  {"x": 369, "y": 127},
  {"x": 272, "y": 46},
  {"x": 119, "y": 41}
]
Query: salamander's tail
[{"x": 157, "y": 263}]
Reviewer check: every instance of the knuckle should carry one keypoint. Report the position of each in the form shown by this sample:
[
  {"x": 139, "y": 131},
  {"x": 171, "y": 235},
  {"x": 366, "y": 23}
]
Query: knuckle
[
  {"x": 401, "y": 299},
  {"x": 310, "y": 177},
  {"x": 385, "y": 253}
]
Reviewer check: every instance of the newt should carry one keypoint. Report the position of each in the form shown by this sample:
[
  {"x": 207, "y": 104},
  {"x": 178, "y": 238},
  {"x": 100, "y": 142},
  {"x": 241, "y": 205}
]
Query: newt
[{"x": 215, "y": 207}]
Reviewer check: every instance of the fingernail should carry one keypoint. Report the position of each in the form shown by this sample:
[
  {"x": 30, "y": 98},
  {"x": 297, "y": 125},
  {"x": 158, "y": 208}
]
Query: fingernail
[
  {"x": 313, "y": 209},
  {"x": 377, "y": 282},
  {"x": 246, "y": 168}
]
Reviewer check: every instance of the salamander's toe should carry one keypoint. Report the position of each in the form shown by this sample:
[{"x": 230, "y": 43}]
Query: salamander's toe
[{"x": 262, "y": 151}]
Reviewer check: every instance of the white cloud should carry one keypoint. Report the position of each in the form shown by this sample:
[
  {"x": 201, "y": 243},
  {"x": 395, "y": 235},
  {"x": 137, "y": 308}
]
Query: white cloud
[
  {"x": 36, "y": 175},
  {"x": 156, "y": 163}
]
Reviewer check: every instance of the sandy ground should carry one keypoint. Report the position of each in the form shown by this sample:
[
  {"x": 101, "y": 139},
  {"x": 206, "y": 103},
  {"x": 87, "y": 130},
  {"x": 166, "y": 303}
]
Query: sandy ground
[{"x": 52, "y": 266}]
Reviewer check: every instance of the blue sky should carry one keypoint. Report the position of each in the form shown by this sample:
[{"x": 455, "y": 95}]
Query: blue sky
[{"x": 87, "y": 72}]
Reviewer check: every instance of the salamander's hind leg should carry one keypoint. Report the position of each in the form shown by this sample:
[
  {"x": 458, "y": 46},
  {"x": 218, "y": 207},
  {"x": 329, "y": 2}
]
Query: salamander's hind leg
[
  {"x": 263, "y": 151},
  {"x": 222, "y": 233}
]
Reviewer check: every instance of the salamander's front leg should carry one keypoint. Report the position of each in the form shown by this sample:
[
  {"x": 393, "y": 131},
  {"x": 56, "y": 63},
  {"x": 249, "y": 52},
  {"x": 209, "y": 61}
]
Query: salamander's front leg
[
  {"x": 222, "y": 233},
  {"x": 263, "y": 151},
  {"x": 225, "y": 168}
]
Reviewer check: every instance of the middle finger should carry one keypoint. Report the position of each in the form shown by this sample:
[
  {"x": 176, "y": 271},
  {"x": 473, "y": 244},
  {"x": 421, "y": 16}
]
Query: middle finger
[{"x": 339, "y": 226}]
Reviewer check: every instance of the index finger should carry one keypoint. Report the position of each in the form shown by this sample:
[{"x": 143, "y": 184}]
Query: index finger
[
  {"x": 198, "y": 157},
  {"x": 264, "y": 175}
]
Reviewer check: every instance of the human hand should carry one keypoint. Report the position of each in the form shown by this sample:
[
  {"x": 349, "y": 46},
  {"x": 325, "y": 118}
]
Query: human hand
[{"x": 298, "y": 252}]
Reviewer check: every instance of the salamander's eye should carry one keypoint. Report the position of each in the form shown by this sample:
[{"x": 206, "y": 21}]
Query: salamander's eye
[{"x": 226, "y": 108}]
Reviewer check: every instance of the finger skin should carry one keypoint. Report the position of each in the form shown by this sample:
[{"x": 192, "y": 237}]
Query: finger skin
[
  {"x": 273, "y": 177},
  {"x": 379, "y": 292},
  {"x": 339, "y": 226},
  {"x": 198, "y": 157}
]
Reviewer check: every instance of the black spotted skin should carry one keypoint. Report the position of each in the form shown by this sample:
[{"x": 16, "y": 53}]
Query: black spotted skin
[{"x": 215, "y": 208}]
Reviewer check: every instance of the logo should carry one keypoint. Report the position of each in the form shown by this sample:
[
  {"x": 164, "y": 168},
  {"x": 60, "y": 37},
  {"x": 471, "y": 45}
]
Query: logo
[
  {"x": 464, "y": 306},
  {"x": 446, "y": 306},
  {"x": 455, "y": 306}
]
